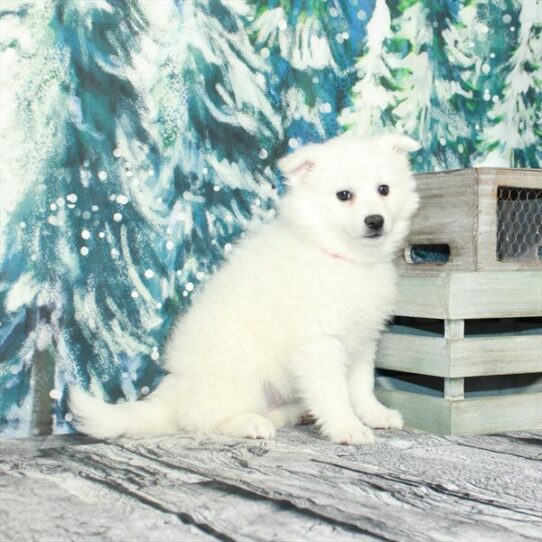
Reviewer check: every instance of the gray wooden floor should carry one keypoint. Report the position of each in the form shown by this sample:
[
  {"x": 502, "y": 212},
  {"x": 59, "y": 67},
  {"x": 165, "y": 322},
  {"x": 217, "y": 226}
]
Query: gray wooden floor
[{"x": 406, "y": 487}]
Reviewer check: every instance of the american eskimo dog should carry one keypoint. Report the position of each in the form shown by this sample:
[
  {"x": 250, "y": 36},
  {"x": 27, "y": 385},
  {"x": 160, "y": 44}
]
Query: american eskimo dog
[{"x": 290, "y": 322}]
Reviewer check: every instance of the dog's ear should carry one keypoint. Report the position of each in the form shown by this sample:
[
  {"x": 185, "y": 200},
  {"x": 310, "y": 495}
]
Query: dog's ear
[
  {"x": 400, "y": 143},
  {"x": 298, "y": 163}
]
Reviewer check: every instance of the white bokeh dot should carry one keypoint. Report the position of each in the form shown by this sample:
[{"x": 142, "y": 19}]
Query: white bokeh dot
[
  {"x": 325, "y": 107},
  {"x": 102, "y": 175},
  {"x": 55, "y": 394},
  {"x": 293, "y": 143},
  {"x": 134, "y": 294},
  {"x": 85, "y": 234},
  {"x": 84, "y": 251},
  {"x": 145, "y": 390},
  {"x": 149, "y": 273},
  {"x": 189, "y": 286},
  {"x": 117, "y": 217}
]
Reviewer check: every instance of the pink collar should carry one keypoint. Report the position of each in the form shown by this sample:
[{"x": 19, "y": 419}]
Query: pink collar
[{"x": 338, "y": 256}]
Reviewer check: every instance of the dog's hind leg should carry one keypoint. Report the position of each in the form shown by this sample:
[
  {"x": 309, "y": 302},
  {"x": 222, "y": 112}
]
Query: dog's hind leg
[
  {"x": 290, "y": 414},
  {"x": 248, "y": 426}
]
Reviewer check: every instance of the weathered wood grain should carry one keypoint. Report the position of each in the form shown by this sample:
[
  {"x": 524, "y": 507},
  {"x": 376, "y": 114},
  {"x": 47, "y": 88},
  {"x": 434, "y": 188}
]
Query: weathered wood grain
[
  {"x": 463, "y": 295},
  {"x": 471, "y": 416},
  {"x": 459, "y": 208},
  {"x": 47, "y": 502},
  {"x": 472, "y": 356},
  {"x": 407, "y": 486}
]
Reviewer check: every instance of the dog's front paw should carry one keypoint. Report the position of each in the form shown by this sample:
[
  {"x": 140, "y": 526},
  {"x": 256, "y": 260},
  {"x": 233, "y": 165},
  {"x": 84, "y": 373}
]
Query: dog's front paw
[
  {"x": 248, "y": 426},
  {"x": 380, "y": 417},
  {"x": 353, "y": 432}
]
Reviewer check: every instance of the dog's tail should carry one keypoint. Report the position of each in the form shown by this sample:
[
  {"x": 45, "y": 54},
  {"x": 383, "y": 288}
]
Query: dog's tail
[{"x": 136, "y": 419}]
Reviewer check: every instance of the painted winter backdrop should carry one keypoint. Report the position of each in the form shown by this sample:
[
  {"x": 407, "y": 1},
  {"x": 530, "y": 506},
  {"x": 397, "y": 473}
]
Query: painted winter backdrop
[{"x": 139, "y": 137}]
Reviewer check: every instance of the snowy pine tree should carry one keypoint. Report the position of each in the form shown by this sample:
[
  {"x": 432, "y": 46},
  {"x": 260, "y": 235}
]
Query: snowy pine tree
[
  {"x": 420, "y": 73},
  {"x": 374, "y": 94},
  {"x": 311, "y": 46},
  {"x": 433, "y": 89},
  {"x": 513, "y": 138},
  {"x": 218, "y": 132},
  {"x": 81, "y": 279}
]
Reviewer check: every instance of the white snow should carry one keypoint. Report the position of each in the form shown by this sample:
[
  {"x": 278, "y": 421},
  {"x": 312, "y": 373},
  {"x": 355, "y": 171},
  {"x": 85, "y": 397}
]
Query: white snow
[{"x": 22, "y": 292}]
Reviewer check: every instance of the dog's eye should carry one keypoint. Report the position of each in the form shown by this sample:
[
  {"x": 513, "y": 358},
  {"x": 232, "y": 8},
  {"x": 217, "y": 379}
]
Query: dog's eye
[
  {"x": 383, "y": 189},
  {"x": 345, "y": 195}
]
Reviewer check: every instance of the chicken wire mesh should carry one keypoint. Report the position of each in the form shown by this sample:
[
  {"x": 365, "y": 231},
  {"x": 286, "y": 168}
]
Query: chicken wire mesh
[{"x": 519, "y": 224}]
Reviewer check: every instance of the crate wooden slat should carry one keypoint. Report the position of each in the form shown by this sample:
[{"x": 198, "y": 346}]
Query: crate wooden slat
[
  {"x": 459, "y": 208},
  {"x": 467, "y": 416},
  {"x": 455, "y": 358},
  {"x": 462, "y": 295}
]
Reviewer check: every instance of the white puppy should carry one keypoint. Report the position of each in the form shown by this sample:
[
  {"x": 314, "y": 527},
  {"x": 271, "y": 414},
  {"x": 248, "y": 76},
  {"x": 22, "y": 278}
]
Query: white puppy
[{"x": 290, "y": 322}]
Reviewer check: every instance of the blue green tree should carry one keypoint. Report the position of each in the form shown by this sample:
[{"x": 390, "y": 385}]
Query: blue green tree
[
  {"x": 217, "y": 130},
  {"x": 513, "y": 133},
  {"x": 81, "y": 276},
  {"x": 312, "y": 46}
]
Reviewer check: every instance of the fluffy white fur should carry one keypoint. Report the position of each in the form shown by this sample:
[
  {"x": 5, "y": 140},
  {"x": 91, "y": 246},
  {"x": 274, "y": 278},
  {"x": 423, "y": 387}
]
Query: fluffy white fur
[{"x": 290, "y": 322}]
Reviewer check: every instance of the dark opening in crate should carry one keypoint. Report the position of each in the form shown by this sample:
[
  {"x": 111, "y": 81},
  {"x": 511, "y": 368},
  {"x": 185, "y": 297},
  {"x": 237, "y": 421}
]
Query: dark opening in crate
[
  {"x": 427, "y": 254},
  {"x": 519, "y": 224},
  {"x": 477, "y": 386},
  {"x": 480, "y": 327}
]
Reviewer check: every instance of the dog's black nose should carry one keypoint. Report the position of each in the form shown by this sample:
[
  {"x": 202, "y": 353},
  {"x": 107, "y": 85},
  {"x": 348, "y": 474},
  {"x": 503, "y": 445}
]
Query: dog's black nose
[{"x": 374, "y": 222}]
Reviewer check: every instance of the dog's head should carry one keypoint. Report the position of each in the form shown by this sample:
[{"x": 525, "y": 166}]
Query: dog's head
[{"x": 352, "y": 196}]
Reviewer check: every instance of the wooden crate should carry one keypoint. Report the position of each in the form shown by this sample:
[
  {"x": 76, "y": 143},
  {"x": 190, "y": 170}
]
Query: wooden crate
[
  {"x": 483, "y": 415},
  {"x": 463, "y": 376},
  {"x": 485, "y": 218},
  {"x": 452, "y": 361},
  {"x": 463, "y": 295}
]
